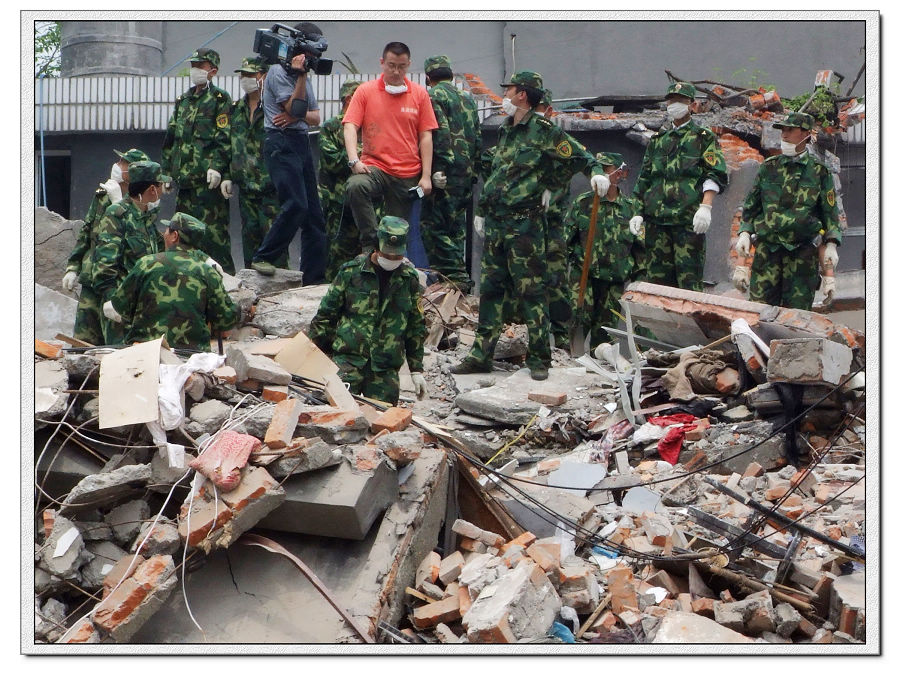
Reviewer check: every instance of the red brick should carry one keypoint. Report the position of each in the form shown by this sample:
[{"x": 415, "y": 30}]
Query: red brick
[
  {"x": 703, "y": 607},
  {"x": 393, "y": 419},
  {"x": 442, "y": 611},
  {"x": 206, "y": 516},
  {"x": 452, "y": 589},
  {"x": 698, "y": 460},
  {"x": 777, "y": 492},
  {"x": 450, "y": 567},
  {"x": 429, "y": 569},
  {"x": 46, "y": 349},
  {"x": 606, "y": 621},
  {"x": 551, "y": 398},
  {"x": 546, "y": 554},
  {"x": 49, "y": 517},
  {"x": 226, "y": 374},
  {"x": 83, "y": 633},
  {"x": 275, "y": 392},
  {"x": 465, "y": 600},
  {"x": 249, "y": 385},
  {"x": 620, "y": 581},
  {"x": 284, "y": 421},
  {"x": 524, "y": 540},
  {"x": 806, "y": 627},
  {"x": 847, "y": 622},
  {"x": 366, "y": 459},
  {"x": 513, "y": 555},
  {"x": 753, "y": 470},
  {"x": 117, "y": 573},
  {"x": 255, "y": 482},
  {"x": 547, "y": 465},
  {"x": 119, "y": 605},
  {"x": 500, "y": 633},
  {"x": 468, "y": 544}
]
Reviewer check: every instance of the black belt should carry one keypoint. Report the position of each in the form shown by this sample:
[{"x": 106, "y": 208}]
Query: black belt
[{"x": 270, "y": 130}]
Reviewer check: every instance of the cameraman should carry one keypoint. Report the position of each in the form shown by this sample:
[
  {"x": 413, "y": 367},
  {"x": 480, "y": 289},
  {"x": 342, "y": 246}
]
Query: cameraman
[{"x": 290, "y": 108}]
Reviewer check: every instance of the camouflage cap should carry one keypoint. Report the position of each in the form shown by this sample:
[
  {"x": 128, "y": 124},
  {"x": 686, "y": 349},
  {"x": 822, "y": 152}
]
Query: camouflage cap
[
  {"x": 190, "y": 230},
  {"x": 146, "y": 171},
  {"x": 547, "y": 98},
  {"x": 348, "y": 88},
  {"x": 526, "y": 78},
  {"x": 610, "y": 159},
  {"x": 204, "y": 54},
  {"x": 683, "y": 88},
  {"x": 796, "y": 119},
  {"x": 252, "y": 64},
  {"x": 434, "y": 62},
  {"x": 133, "y": 155},
  {"x": 392, "y": 234}
]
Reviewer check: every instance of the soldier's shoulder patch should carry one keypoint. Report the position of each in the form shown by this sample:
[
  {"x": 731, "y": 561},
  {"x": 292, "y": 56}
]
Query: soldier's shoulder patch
[
  {"x": 829, "y": 197},
  {"x": 564, "y": 148},
  {"x": 543, "y": 121},
  {"x": 710, "y": 157},
  {"x": 222, "y": 120}
]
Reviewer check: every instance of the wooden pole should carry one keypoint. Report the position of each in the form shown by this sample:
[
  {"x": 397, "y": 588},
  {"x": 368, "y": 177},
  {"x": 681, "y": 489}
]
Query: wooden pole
[{"x": 588, "y": 250}]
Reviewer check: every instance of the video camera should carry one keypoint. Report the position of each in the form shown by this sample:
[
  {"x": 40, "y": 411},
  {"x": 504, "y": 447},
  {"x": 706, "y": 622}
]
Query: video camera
[{"x": 282, "y": 43}]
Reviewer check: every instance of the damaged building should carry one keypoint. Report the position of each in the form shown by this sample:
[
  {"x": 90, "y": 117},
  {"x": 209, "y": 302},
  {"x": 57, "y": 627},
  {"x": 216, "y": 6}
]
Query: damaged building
[{"x": 705, "y": 486}]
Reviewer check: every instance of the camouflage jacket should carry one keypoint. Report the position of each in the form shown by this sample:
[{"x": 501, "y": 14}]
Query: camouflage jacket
[
  {"x": 125, "y": 235},
  {"x": 333, "y": 169},
  {"x": 172, "y": 293},
  {"x": 676, "y": 164},
  {"x": 791, "y": 201},
  {"x": 457, "y": 140},
  {"x": 614, "y": 249},
  {"x": 197, "y": 137},
  {"x": 353, "y": 323},
  {"x": 529, "y": 157},
  {"x": 247, "y": 168},
  {"x": 82, "y": 257}
]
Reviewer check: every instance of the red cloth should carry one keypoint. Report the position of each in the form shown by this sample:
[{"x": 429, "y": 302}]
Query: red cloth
[
  {"x": 669, "y": 446},
  {"x": 390, "y": 125}
]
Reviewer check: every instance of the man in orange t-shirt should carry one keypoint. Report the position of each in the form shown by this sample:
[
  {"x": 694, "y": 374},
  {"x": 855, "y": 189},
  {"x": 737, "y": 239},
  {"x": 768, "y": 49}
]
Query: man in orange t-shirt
[{"x": 396, "y": 120}]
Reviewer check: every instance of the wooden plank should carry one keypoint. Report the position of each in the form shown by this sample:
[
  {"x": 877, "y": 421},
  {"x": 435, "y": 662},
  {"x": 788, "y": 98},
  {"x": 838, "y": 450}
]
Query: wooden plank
[{"x": 75, "y": 342}]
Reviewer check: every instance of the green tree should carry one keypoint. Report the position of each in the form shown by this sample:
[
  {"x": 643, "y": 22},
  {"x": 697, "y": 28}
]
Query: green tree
[{"x": 46, "y": 48}]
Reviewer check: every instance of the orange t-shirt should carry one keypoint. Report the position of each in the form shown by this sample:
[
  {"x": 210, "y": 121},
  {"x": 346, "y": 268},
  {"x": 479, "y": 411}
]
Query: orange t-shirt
[{"x": 390, "y": 125}]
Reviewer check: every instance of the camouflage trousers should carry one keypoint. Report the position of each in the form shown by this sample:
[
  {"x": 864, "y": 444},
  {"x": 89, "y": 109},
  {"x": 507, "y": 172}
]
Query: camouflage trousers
[
  {"x": 113, "y": 333},
  {"x": 513, "y": 265},
  {"x": 601, "y": 302},
  {"x": 340, "y": 229},
  {"x": 89, "y": 317},
  {"x": 444, "y": 233},
  {"x": 784, "y": 278},
  {"x": 559, "y": 297},
  {"x": 212, "y": 208},
  {"x": 258, "y": 210},
  {"x": 383, "y": 385},
  {"x": 675, "y": 256}
]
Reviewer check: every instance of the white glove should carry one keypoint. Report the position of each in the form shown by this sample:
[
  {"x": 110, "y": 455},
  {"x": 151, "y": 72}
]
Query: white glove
[
  {"x": 439, "y": 180},
  {"x": 68, "y": 281},
  {"x": 831, "y": 255},
  {"x": 600, "y": 184},
  {"x": 167, "y": 188},
  {"x": 213, "y": 178},
  {"x": 418, "y": 381},
  {"x": 828, "y": 288},
  {"x": 636, "y": 225},
  {"x": 702, "y": 219},
  {"x": 741, "y": 278},
  {"x": 742, "y": 247},
  {"x": 110, "y": 312},
  {"x": 545, "y": 200},
  {"x": 478, "y": 225},
  {"x": 226, "y": 188},
  {"x": 113, "y": 190},
  {"x": 216, "y": 266}
]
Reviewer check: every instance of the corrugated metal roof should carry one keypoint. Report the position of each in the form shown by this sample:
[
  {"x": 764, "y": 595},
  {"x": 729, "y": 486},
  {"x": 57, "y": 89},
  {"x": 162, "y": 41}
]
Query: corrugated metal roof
[{"x": 131, "y": 103}]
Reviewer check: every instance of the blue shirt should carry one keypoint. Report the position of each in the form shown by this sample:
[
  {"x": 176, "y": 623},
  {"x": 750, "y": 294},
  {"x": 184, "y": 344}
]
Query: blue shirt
[{"x": 278, "y": 88}]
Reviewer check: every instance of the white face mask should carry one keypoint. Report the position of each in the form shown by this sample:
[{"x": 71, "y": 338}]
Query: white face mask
[
  {"x": 790, "y": 149},
  {"x": 676, "y": 111},
  {"x": 387, "y": 264},
  {"x": 249, "y": 85},
  {"x": 152, "y": 206},
  {"x": 509, "y": 107},
  {"x": 395, "y": 88},
  {"x": 116, "y": 173},
  {"x": 198, "y": 76}
]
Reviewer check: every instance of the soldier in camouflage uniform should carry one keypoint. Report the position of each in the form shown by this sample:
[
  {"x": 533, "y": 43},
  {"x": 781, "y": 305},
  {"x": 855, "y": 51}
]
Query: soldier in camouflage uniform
[
  {"x": 556, "y": 199},
  {"x": 127, "y": 233},
  {"x": 615, "y": 250},
  {"x": 257, "y": 199},
  {"x": 174, "y": 293},
  {"x": 196, "y": 153},
  {"x": 791, "y": 204},
  {"x": 372, "y": 316},
  {"x": 530, "y": 153},
  {"x": 456, "y": 147},
  {"x": 89, "y": 316},
  {"x": 682, "y": 171},
  {"x": 340, "y": 228}
]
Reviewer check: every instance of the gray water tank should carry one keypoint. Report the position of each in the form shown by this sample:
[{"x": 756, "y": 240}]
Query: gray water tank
[{"x": 111, "y": 48}]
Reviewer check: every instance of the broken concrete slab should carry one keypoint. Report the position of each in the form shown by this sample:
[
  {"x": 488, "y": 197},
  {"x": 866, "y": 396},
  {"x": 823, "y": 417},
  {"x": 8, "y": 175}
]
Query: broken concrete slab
[
  {"x": 731, "y": 442},
  {"x": 58, "y": 473},
  {"x": 689, "y": 628},
  {"x": 809, "y": 361},
  {"x": 249, "y": 366},
  {"x": 338, "y": 427},
  {"x": 49, "y": 619},
  {"x": 162, "y": 539},
  {"x": 282, "y": 280},
  {"x": 126, "y": 519},
  {"x": 50, "y": 379},
  {"x": 64, "y": 552},
  {"x": 508, "y": 402},
  {"x": 575, "y": 508},
  {"x": 334, "y": 502},
  {"x": 289, "y": 312},
  {"x": 402, "y": 447},
  {"x": 210, "y": 415},
  {"x": 105, "y": 488},
  {"x": 106, "y": 555},
  {"x": 316, "y": 456},
  {"x": 57, "y": 313}
]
